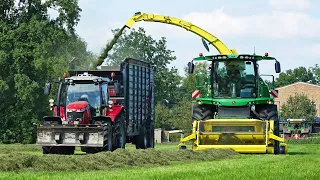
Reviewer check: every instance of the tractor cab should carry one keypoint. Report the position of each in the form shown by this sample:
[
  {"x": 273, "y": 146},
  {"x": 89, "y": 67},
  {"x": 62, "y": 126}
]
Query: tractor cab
[{"x": 81, "y": 97}]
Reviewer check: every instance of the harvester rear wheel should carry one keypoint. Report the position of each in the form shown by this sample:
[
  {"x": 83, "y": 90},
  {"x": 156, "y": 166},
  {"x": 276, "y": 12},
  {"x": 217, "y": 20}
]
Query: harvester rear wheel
[
  {"x": 119, "y": 135},
  {"x": 201, "y": 112}
]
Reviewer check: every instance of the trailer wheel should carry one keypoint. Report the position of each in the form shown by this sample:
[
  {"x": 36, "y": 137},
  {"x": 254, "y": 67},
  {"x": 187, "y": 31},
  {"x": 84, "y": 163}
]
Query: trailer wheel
[
  {"x": 119, "y": 134},
  {"x": 141, "y": 139},
  {"x": 150, "y": 136}
]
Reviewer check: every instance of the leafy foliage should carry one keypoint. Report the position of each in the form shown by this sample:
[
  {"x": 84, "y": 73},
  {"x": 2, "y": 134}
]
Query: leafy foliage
[
  {"x": 299, "y": 107},
  {"x": 34, "y": 49},
  {"x": 137, "y": 44},
  {"x": 302, "y": 74}
]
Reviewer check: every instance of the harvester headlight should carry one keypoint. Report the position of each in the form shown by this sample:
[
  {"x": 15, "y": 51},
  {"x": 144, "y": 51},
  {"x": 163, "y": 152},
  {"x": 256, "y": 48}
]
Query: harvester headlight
[
  {"x": 241, "y": 57},
  {"x": 199, "y": 102},
  {"x": 224, "y": 57}
]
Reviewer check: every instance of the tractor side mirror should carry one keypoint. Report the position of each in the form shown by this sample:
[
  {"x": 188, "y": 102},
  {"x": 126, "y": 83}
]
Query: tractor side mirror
[
  {"x": 277, "y": 67},
  {"x": 190, "y": 67},
  {"x": 117, "y": 87},
  {"x": 47, "y": 89}
]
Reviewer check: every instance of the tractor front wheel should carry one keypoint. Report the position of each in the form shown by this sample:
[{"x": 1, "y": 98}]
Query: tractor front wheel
[{"x": 119, "y": 134}]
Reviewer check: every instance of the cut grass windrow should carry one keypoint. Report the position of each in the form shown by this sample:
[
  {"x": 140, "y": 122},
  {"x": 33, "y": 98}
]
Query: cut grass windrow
[{"x": 107, "y": 160}]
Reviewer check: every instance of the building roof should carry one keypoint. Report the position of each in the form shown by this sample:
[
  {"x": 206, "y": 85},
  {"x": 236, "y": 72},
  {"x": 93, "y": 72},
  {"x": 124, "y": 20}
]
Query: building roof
[{"x": 309, "y": 84}]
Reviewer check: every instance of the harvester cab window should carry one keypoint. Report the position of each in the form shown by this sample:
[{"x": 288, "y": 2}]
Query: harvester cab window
[{"x": 234, "y": 79}]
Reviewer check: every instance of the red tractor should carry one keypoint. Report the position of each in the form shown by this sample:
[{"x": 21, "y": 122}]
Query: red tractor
[{"x": 101, "y": 110}]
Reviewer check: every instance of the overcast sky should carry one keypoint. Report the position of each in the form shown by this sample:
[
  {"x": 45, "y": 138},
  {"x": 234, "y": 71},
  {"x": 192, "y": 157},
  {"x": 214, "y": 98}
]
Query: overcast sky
[{"x": 287, "y": 29}]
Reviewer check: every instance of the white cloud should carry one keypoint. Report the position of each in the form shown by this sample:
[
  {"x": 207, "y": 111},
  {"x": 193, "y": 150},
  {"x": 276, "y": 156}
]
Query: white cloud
[
  {"x": 290, "y": 4},
  {"x": 310, "y": 51},
  {"x": 96, "y": 36},
  {"x": 276, "y": 24}
]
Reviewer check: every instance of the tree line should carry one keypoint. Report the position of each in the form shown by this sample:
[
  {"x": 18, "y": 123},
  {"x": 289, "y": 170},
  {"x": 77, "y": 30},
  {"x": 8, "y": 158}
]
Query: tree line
[{"x": 35, "y": 49}]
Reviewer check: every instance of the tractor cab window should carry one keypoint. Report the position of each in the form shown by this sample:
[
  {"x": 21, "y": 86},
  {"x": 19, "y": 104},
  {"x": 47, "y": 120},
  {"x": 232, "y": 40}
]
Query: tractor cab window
[
  {"x": 234, "y": 79},
  {"x": 84, "y": 92}
]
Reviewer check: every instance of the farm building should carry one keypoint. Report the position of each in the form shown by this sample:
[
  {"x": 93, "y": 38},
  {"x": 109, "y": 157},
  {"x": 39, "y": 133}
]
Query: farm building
[{"x": 312, "y": 91}]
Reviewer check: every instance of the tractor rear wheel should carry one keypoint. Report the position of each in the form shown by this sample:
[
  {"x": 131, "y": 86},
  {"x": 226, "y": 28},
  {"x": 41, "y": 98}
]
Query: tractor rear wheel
[{"x": 201, "y": 112}]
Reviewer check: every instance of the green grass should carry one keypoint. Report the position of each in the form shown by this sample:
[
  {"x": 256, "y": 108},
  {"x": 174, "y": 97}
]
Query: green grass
[{"x": 302, "y": 162}]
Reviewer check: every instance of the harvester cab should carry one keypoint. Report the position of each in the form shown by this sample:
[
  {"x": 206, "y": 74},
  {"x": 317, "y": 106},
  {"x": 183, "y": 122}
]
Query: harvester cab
[
  {"x": 297, "y": 128},
  {"x": 234, "y": 108}
]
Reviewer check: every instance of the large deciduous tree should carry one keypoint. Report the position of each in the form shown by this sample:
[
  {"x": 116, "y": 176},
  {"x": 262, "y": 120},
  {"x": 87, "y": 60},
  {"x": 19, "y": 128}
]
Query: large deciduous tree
[
  {"x": 299, "y": 106},
  {"x": 137, "y": 44},
  {"x": 34, "y": 48},
  {"x": 298, "y": 74}
]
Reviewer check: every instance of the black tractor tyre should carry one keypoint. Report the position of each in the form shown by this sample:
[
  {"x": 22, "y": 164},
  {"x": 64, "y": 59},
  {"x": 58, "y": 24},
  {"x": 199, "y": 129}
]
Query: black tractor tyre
[
  {"x": 141, "y": 139},
  {"x": 108, "y": 140},
  {"x": 45, "y": 150},
  {"x": 120, "y": 132},
  {"x": 282, "y": 150},
  {"x": 108, "y": 136},
  {"x": 272, "y": 114},
  {"x": 65, "y": 150},
  {"x": 201, "y": 112}
]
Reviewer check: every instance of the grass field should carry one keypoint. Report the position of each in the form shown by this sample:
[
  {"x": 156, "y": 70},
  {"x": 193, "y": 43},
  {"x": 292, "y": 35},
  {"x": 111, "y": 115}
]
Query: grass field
[{"x": 302, "y": 162}]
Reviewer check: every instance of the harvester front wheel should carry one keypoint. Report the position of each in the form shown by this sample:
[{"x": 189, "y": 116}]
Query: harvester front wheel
[
  {"x": 273, "y": 115},
  {"x": 201, "y": 112}
]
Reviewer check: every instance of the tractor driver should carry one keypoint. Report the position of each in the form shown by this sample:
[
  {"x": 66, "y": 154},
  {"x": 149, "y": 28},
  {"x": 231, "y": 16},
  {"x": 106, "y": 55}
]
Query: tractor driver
[{"x": 85, "y": 97}]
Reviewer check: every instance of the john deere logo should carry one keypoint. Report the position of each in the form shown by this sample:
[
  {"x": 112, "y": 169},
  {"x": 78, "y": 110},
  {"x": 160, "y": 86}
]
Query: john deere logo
[{"x": 233, "y": 102}]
